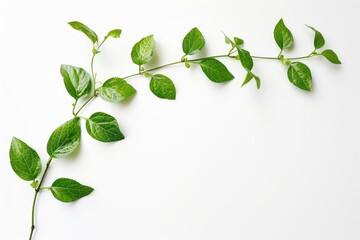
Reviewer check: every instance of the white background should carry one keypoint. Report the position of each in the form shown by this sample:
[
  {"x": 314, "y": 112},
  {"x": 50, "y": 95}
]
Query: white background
[{"x": 220, "y": 162}]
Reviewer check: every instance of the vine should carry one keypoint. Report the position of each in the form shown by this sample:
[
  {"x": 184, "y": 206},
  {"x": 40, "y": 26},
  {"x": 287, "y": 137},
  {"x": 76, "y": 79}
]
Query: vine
[{"x": 26, "y": 162}]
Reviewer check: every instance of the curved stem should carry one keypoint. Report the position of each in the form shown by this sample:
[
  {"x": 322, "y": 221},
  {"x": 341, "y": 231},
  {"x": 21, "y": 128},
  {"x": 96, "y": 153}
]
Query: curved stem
[
  {"x": 74, "y": 106},
  {"x": 93, "y": 76},
  {"x": 85, "y": 103},
  {"x": 179, "y": 62},
  {"x": 35, "y": 198},
  {"x": 92, "y": 72},
  {"x": 175, "y": 63}
]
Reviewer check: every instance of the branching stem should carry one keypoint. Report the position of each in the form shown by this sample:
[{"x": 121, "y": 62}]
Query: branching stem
[
  {"x": 193, "y": 61},
  {"x": 37, "y": 190}
]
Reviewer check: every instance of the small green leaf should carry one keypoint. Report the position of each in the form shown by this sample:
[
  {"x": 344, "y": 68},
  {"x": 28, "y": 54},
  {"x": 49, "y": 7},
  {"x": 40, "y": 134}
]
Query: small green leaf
[
  {"x": 215, "y": 70},
  {"x": 68, "y": 190},
  {"x": 245, "y": 58},
  {"x": 238, "y": 41},
  {"x": 331, "y": 56},
  {"x": 143, "y": 51},
  {"x": 163, "y": 87},
  {"x": 249, "y": 77},
  {"x": 95, "y": 51},
  {"x": 257, "y": 80},
  {"x": 115, "y": 90},
  {"x": 77, "y": 81},
  {"x": 227, "y": 40},
  {"x": 65, "y": 139},
  {"x": 35, "y": 184},
  {"x": 193, "y": 42},
  {"x": 86, "y": 30},
  {"x": 24, "y": 160},
  {"x": 103, "y": 127},
  {"x": 114, "y": 33},
  {"x": 300, "y": 75},
  {"x": 319, "y": 40},
  {"x": 283, "y": 36}
]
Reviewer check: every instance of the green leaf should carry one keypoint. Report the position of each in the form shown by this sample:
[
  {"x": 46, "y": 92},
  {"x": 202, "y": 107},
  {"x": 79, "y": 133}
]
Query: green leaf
[
  {"x": 65, "y": 139},
  {"x": 249, "y": 77},
  {"x": 245, "y": 58},
  {"x": 300, "y": 75},
  {"x": 143, "y": 51},
  {"x": 319, "y": 40},
  {"x": 116, "y": 89},
  {"x": 331, "y": 56},
  {"x": 34, "y": 184},
  {"x": 103, "y": 127},
  {"x": 24, "y": 160},
  {"x": 193, "y": 42},
  {"x": 77, "y": 81},
  {"x": 283, "y": 36},
  {"x": 227, "y": 40},
  {"x": 86, "y": 30},
  {"x": 68, "y": 190},
  {"x": 257, "y": 80},
  {"x": 163, "y": 87},
  {"x": 215, "y": 70},
  {"x": 238, "y": 41},
  {"x": 114, "y": 33}
]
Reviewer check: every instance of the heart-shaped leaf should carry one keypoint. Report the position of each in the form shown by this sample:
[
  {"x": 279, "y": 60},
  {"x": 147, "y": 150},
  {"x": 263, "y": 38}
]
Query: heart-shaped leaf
[
  {"x": 143, "y": 51},
  {"x": 215, "y": 70},
  {"x": 103, "y": 127},
  {"x": 77, "y": 81},
  {"x": 68, "y": 190},
  {"x": 283, "y": 36},
  {"x": 300, "y": 75},
  {"x": 65, "y": 139},
  {"x": 24, "y": 160},
  {"x": 331, "y": 56},
  {"x": 193, "y": 42},
  {"x": 116, "y": 90},
  {"x": 162, "y": 87}
]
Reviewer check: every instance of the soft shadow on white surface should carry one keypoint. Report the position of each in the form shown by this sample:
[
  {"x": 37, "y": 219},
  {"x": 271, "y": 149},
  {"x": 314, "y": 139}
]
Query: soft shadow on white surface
[{"x": 220, "y": 162}]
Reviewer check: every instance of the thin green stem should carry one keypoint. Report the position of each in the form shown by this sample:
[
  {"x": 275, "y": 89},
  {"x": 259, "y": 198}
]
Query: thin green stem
[
  {"x": 85, "y": 103},
  {"x": 296, "y": 58},
  {"x": 93, "y": 75},
  {"x": 37, "y": 190},
  {"x": 175, "y": 63},
  {"x": 33, "y": 215},
  {"x": 74, "y": 106},
  {"x": 92, "y": 72},
  {"x": 101, "y": 43},
  {"x": 269, "y": 58},
  {"x": 231, "y": 51},
  {"x": 179, "y": 62}
]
